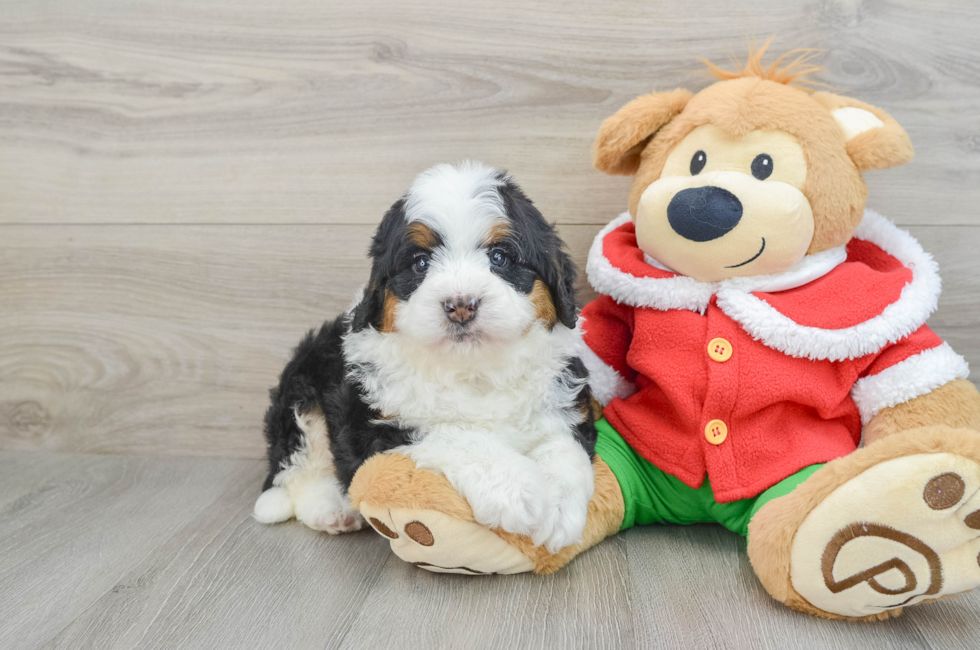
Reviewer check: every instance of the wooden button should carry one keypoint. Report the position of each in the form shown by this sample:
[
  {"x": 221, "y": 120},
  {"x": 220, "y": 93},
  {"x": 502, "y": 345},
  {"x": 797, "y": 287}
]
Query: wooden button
[
  {"x": 719, "y": 350},
  {"x": 716, "y": 431}
]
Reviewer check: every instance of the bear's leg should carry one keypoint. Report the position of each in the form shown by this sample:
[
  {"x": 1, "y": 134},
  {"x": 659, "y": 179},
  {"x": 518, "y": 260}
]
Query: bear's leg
[
  {"x": 894, "y": 524},
  {"x": 430, "y": 525}
]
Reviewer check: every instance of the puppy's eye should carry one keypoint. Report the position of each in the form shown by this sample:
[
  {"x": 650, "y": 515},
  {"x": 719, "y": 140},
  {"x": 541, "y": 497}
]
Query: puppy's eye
[
  {"x": 421, "y": 263},
  {"x": 698, "y": 162},
  {"x": 499, "y": 258},
  {"x": 762, "y": 166}
]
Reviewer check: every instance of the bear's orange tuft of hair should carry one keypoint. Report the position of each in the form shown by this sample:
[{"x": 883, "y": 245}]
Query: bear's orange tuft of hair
[{"x": 790, "y": 73}]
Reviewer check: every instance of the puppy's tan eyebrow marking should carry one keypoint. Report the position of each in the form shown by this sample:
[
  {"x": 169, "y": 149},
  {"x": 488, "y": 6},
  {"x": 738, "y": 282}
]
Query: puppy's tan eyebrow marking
[
  {"x": 421, "y": 235},
  {"x": 498, "y": 232}
]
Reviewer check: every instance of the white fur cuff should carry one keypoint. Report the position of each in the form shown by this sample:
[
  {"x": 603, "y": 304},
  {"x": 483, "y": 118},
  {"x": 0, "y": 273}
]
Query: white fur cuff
[
  {"x": 604, "y": 381},
  {"x": 917, "y": 375}
]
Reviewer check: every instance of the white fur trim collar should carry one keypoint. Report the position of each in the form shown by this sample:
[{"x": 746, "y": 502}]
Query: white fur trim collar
[
  {"x": 682, "y": 292},
  {"x": 735, "y": 297}
]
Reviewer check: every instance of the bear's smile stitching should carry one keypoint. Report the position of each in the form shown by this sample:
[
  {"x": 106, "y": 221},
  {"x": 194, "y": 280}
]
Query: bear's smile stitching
[{"x": 751, "y": 259}]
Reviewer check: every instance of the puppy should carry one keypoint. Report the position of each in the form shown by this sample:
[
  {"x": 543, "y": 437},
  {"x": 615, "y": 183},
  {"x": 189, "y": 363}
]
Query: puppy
[{"x": 461, "y": 353}]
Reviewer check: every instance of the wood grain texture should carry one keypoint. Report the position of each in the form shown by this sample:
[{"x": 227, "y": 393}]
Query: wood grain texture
[
  {"x": 224, "y": 581},
  {"x": 585, "y": 605},
  {"x": 121, "y": 552},
  {"x": 322, "y": 112},
  {"x": 71, "y": 526},
  {"x": 167, "y": 175}
]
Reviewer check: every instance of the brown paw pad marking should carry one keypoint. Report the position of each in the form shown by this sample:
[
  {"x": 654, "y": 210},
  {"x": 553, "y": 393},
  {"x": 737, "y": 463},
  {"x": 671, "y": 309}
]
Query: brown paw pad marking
[
  {"x": 381, "y": 528},
  {"x": 870, "y": 576},
  {"x": 420, "y": 533},
  {"x": 451, "y": 568},
  {"x": 944, "y": 491},
  {"x": 973, "y": 520}
]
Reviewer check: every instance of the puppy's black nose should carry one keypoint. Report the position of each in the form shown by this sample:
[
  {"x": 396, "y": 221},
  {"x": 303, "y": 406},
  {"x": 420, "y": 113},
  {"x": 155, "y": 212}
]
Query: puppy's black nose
[
  {"x": 704, "y": 213},
  {"x": 461, "y": 309}
]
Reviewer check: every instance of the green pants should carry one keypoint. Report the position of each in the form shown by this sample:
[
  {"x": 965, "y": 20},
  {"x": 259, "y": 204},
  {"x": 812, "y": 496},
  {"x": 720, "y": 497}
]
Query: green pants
[{"x": 652, "y": 496}]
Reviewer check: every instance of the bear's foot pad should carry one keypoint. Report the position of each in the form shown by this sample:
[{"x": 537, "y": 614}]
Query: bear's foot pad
[
  {"x": 437, "y": 542},
  {"x": 902, "y": 532}
]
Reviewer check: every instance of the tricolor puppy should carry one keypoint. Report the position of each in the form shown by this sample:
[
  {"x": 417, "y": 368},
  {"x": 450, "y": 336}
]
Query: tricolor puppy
[{"x": 461, "y": 353}]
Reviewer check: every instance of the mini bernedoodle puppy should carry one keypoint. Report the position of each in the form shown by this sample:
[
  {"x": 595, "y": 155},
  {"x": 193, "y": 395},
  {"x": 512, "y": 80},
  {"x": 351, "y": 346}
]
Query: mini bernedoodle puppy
[{"x": 461, "y": 353}]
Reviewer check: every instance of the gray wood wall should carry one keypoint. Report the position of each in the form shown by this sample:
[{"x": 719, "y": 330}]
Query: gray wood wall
[{"x": 186, "y": 187}]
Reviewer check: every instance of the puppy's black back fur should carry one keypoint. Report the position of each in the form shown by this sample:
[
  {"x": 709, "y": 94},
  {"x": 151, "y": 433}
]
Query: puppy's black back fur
[
  {"x": 585, "y": 431},
  {"x": 316, "y": 377}
]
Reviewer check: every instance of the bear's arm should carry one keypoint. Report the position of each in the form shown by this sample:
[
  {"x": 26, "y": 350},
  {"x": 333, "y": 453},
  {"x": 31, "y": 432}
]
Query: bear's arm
[
  {"x": 956, "y": 404},
  {"x": 607, "y": 330},
  {"x": 914, "y": 382}
]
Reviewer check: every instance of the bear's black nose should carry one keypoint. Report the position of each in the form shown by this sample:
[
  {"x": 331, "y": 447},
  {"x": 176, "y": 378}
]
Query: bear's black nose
[{"x": 704, "y": 213}]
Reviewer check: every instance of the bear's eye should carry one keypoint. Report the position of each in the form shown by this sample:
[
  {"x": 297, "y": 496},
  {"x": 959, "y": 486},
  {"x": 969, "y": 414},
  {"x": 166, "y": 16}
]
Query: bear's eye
[
  {"x": 698, "y": 162},
  {"x": 762, "y": 166}
]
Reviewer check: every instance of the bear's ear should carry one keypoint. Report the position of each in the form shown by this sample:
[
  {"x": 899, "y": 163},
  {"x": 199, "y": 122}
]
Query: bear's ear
[
  {"x": 623, "y": 136},
  {"x": 874, "y": 139}
]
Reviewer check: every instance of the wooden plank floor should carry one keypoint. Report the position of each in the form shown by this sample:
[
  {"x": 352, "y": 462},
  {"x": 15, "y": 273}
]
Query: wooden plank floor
[
  {"x": 122, "y": 552},
  {"x": 186, "y": 187}
]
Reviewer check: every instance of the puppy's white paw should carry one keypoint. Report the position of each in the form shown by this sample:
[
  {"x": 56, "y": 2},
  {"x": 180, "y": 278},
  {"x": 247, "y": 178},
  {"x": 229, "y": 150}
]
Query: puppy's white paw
[
  {"x": 322, "y": 505},
  {"x": 563, "y": 524},
  {"x": 513, "y": 497},
  {"x": 335, "y": 522},
  {"x": 273, "y": 506},
  {"x": 571, "y": 482}
]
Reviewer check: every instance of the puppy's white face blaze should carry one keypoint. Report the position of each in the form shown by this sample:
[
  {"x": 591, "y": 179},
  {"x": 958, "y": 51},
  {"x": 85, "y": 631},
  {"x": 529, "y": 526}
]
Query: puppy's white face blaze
[
  {"x": 458, "y": 275},
  {"x": 471, "y": 291}
]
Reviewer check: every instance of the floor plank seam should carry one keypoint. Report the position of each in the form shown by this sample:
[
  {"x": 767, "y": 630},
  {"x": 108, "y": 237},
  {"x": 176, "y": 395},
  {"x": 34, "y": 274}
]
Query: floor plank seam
[
  {"x": 629, "y": 589},
  {"x": 132, "y": 566},
  {"x": 201, "y": 567},
  {"x": 367, "y": 594}
]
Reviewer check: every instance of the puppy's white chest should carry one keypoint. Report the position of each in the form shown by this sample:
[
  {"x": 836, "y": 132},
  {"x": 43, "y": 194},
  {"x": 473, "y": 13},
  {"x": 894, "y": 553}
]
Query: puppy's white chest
[
  {"x": 512, "y": 391},
  {"x": 463, "y": 398}
]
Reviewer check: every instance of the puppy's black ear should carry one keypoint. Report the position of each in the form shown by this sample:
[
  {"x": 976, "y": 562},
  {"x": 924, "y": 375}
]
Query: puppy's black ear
[
  {"x": 387, "y": 242},
  {"x": 547, "y": 255},
  {"x": 368, "y": 311},
  {"x": 562, "y": 286}
]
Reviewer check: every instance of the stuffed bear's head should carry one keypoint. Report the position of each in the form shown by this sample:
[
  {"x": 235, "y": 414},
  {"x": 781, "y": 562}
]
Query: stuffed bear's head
[{"x": 749, "y": 175}]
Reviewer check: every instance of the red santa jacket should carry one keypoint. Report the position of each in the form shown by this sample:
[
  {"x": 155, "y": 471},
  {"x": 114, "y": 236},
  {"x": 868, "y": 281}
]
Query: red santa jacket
[{"x": 750, "y": 380}]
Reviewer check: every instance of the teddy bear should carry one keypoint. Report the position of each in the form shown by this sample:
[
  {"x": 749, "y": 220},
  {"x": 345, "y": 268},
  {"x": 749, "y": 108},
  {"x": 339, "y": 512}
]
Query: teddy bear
[{"x": 761, "y": 359}]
